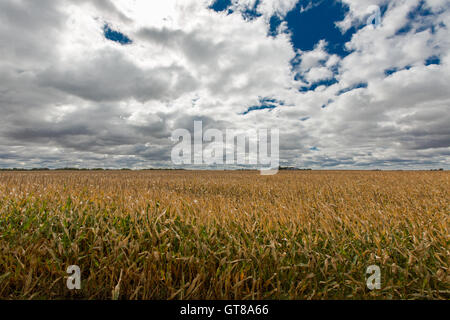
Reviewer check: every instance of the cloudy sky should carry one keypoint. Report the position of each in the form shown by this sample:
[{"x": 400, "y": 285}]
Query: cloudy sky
[{"x": 104, "y": 83}]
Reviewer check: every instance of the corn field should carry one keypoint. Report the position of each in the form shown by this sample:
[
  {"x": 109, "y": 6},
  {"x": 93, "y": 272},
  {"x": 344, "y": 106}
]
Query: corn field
[{"x": 224, "y": 235}]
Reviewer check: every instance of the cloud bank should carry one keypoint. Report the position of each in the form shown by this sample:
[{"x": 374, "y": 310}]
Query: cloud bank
[{"x": 73, "y": 96}]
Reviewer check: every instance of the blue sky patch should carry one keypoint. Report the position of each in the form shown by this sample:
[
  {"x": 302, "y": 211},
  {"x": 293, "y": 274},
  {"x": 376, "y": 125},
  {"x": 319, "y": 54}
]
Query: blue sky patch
[
  {"x": 115, "y": 36},
  {"x": 317, "y": 22},
  {"x": 420, "y": 11},
  {"x": 314, "y": 86},
  {"x": 361, "y": 85},
  {"x": 251, "y": 13},
  {"x": 275, "y": 22},
  {"x": 433, "y": 60},
  {"x": 255, "y": 108},
  {"x": 330, "y": 101},
  {"x": 270, "y": 100},
  {"x": 220, "y": 5},
  {"x": 264, "y": 103},
  {"x": 418, "y": 14},
  {"x": 391, "y": 71},
  {"x": 248, "y": 13}
]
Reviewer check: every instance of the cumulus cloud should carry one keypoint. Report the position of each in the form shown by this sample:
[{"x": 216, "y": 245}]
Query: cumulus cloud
[
  {"x": 110, "y": 76},
  {"x": 69, "y": 96}
]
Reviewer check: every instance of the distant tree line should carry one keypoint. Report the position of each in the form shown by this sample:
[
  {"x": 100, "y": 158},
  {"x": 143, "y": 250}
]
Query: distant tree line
[
  {"x": 156, "y": 169},
  {"x": 78, "y": 169},
  {"x": 294, "y": 168}
]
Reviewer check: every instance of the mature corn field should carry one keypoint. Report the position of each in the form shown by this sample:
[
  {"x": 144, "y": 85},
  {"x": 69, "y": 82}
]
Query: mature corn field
[{"x": 224, "y": 235}]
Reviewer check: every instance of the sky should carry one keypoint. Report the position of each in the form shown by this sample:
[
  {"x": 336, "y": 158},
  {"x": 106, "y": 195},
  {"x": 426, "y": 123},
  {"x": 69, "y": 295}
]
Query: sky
[{"x": 104, "y": 83}]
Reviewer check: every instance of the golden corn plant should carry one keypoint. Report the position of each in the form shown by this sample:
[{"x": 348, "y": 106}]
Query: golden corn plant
[{"x": 224, "y": 235}]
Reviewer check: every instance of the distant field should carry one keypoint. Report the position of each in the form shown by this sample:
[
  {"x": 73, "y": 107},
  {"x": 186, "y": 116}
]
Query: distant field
[{"x": 224, "y": 235}]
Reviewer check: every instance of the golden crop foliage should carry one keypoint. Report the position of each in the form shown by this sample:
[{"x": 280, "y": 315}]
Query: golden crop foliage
[{"x": 224, "y": 235}]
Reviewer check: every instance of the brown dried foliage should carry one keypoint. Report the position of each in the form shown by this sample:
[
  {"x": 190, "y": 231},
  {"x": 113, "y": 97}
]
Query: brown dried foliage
[{"x": 224, "y": 235}]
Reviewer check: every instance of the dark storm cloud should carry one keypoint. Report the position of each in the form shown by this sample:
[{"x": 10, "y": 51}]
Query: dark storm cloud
[
  {"x": 28, "y": 30},
  {"x": 109, "y": 76}
]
